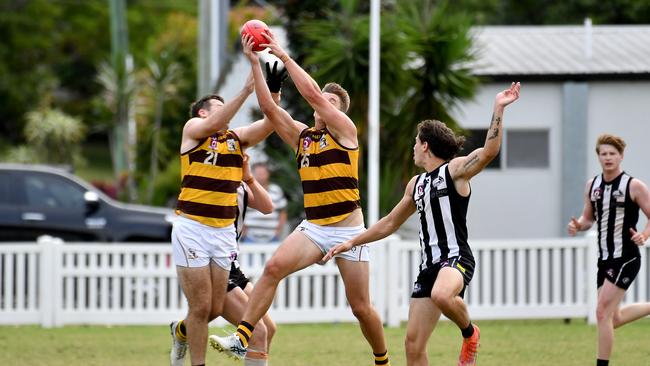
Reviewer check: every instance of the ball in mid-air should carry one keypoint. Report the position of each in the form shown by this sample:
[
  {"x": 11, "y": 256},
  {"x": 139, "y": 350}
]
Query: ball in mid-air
[{"x": 254, "y": 28}]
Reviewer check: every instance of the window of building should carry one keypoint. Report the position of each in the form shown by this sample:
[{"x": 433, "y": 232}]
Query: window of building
[{"x": 527, "y": 149}]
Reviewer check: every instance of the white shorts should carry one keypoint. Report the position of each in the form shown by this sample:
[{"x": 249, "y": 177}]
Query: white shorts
[
  {"x": 196, "y": 244},
  {"x": 326, "y": 237}
]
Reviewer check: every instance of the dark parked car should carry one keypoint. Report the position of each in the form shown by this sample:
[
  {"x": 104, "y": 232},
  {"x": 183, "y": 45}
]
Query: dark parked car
[{"x": 40, "y": 200}]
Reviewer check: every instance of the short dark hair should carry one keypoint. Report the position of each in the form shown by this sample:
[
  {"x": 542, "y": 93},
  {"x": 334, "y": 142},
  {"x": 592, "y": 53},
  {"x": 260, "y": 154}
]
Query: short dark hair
[
  {"x": 442, "y": 141},
  {"x": 203, "y": 103},
  {"x": 338, "y": 90},
  {"x": 608, "y": 139}
]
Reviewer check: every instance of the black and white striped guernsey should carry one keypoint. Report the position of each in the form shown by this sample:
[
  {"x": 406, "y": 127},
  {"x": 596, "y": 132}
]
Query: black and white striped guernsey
[
  {"x": 615, "y": 213},
  {"x": 442, "y": 212}
]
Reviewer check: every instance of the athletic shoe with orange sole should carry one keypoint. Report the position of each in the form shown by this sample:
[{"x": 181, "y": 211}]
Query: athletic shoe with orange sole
[{"x": 469, "y": 352}]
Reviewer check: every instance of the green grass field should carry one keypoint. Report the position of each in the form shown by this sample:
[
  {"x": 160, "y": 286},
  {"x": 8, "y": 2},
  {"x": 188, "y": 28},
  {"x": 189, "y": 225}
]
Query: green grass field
[{"x": 527, "y": 343}]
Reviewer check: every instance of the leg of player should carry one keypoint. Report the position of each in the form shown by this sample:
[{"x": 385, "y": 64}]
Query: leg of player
[
  {"x": 233, "y": 310},
  {"x": 609, "y": 298},
  {"x": 444, "y": 294},
  {"x": 197, "y": 287},
  {"x": 356, "y": 277},
  {"x": 295, "y": 253},
  {"x": 266, "y": 319},
  {"x": 423, "y": 317},
  {"x": 630, "y": 313}
]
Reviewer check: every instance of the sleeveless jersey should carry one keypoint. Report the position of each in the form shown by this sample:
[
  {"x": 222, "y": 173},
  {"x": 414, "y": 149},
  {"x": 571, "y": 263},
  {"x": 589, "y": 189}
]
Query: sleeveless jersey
[
  {"x": 615, "y": 214},
  {"x": 330, "y": 177},
  {"x": 442, "y": 212},
  {"x": 211, "y": 173}
]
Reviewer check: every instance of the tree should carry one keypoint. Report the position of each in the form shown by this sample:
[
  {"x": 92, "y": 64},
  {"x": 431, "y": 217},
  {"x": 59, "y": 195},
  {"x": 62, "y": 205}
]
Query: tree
[
  {"x": 162, "y": 78},
  {"x": 423, "y": 49},
  {"x": 52, "y": 138}
]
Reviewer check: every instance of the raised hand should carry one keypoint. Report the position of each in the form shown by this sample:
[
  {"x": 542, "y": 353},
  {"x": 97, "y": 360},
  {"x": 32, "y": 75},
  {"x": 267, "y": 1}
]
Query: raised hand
[
  {"x": 247, "y": 44},
  {"x": 343, "y": 247},
  {"x": 638, "y": 238},
  {"x": 509, "y": 95},
  {"x": 574, "y": 226},
  {"x": 274, "y": 78},
  {"x": 274, "y": 47}
]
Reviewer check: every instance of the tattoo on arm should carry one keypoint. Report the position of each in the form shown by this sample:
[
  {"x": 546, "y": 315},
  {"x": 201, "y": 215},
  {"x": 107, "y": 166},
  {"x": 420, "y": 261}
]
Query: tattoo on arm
[
  {"x": 471, "y": 162},
  {"x": 494, "y": 127}
]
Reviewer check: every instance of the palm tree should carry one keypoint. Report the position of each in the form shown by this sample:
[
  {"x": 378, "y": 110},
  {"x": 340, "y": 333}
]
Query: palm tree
[
  {"x": 440, "y": 48},
  {"x": 163, "y": 78},
  {"x": 119, "y": 96}
]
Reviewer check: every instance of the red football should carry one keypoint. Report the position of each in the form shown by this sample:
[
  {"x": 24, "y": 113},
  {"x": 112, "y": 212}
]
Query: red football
[{"x": 255, "y": 28}]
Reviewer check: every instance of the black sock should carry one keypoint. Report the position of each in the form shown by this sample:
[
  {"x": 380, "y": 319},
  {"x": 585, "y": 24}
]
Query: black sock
[
  {"x": 600, "y": 362},
  {"x": 468, "y": 332}
]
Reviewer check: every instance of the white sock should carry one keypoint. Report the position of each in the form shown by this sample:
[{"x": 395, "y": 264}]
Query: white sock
[{"x": 255, "y": 362}]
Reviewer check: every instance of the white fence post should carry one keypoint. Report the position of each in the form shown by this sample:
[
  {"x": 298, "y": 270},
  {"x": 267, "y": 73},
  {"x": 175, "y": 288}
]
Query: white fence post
[
  {"x": 44, "y": 283},
  {"x": 49, "y": 283},
  {"x": 392, "y": 286},
  {"x": 592, "y": 264}
]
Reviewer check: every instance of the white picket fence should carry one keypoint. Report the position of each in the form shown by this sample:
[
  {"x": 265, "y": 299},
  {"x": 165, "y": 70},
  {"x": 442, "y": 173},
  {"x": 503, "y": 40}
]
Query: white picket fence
[{"x": 53, "y": 284}]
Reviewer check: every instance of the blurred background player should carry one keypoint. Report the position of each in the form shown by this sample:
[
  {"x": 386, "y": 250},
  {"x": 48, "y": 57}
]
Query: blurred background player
[
  {"x": 612, "y": 200},
  {"x": 261, "y": 228},
  {"x": 327, "y": 157},
  {"x": 440, "y": 195}
]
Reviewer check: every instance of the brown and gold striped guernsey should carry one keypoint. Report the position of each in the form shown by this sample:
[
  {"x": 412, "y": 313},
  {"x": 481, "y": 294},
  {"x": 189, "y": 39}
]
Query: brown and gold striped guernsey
[
  {"x": 330, "y": 177},
  {"x": 211, "y": 173}
]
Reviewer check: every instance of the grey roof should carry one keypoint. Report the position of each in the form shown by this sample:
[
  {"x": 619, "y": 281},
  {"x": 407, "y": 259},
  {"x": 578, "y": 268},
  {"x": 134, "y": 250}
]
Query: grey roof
[{"x": 561, "y": 50}]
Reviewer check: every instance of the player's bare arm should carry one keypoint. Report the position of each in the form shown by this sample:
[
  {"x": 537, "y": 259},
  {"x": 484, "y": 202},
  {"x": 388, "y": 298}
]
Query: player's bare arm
[
  {"x": 384, "y": 227},
  {"x": 258, "y": 197},
  {"x": 586, "y": 219},
  {"x": 338, "y": 123},
  {"x": 463, "y": 168},
  {"x": 197, "y": 129},
  {"x": 641, "y": 195},
  {"x": 288, "y": 129}
]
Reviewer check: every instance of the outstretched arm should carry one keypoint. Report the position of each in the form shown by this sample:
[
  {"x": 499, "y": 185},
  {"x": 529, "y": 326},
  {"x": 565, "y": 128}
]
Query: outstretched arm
[
  {"x": 199, "y": 128},
  {"x": 585, "y": 220},
  {"x": 641, "y": 195},
  {"x": 384, "y": 227},
  {"x": 338, "y": 123},
  {"x": 465, "y": 167},
  {"x": 288, "y": 129}
]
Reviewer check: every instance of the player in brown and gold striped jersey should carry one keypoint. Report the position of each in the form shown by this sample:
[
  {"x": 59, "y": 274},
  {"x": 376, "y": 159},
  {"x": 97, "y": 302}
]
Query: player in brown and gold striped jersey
[
  {"x": 327, "y": 158},
  {"x": 203, "y": 236}
]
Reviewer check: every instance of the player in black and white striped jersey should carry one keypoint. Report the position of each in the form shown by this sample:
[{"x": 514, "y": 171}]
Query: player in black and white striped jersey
[
  {"x": 441, "y": 197},
  {"x": 612, "y": 200}
]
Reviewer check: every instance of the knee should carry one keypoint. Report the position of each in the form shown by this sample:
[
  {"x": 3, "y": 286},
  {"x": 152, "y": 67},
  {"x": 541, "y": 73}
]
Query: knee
[
  {"x": 413, "y": 348},
  {"x": 200, "y": 311},
  {"x": 273, "y": 270},
  {"x": 441, "y": 299},
  {"x": 361, "y": 310},
  {"x": 602, "y": 312}
]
